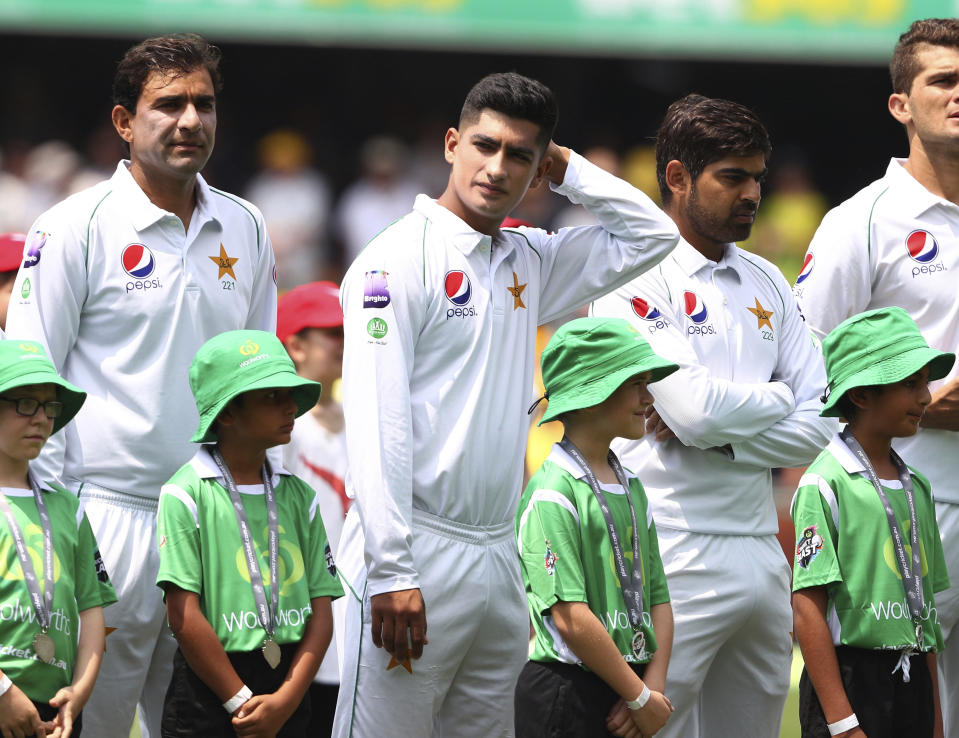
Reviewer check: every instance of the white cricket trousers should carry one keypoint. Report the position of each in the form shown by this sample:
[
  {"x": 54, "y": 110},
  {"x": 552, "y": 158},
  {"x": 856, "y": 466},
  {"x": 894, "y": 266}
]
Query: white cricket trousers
[
  {"x": 138, "y": 662},
  {"x": 477, "y": 627},
  {"x": 732, "y": 649}
]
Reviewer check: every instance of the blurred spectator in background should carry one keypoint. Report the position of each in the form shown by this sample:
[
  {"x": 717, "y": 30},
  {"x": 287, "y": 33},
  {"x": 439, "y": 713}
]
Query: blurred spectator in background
[
  {"x": 792, "y": 212},
  {"x": 49, "y": 171},
  {"x": 295, "y": 200},
  {"x": 11, "y": 254},
  {"x": 384, "y": 193},
  {"x": 102, "y": 152},
  {"x": 13, "y": 198}
]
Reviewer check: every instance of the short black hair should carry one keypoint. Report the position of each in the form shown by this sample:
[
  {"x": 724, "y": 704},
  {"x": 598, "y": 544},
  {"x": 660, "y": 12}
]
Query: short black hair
[
  {"x": 847, "y": 408},
  {"x": 904, "y": 65},
  {"x": 699, "y": 130},
  {"x": 175, "y": 55},
  {"x": 516, "y": 96}
]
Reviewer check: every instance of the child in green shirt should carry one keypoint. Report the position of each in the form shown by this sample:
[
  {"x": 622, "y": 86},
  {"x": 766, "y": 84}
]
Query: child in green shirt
[
  {"x": 245, "y": 564},
  {"x": 54, "y": 584},
  {"x": 868, "y": 554},
  {"x": 594, "y": 581}
]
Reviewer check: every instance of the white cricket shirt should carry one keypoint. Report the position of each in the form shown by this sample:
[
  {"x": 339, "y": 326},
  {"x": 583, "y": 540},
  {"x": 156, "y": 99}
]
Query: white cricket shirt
[
  {"x": 440, "y": 329},
  {"x": 750, "y": 376},
  {"x": 893, "y": 243},
  {"x": 122, "y": 298}
]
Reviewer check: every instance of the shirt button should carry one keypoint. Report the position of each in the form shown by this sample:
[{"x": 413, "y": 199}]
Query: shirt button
[{"x": 725, "y": 301}]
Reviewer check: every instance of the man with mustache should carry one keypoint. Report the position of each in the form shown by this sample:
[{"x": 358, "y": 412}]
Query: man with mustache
[
  {"x": 745, "y": 400},
  {"x": 122, "y": 283}
]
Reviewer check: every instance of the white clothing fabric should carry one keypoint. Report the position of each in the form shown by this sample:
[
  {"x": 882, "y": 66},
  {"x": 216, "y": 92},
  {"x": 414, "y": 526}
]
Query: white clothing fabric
[
  {"x": 896, "y": 243},
  {"x": 744, "y": 380},
  {"x": 318, "y": 457},
  {"x": 440, "y": 329},
  {"x": 122, "y": 298},
  {"x": 138, "y": 661},
  {"x": 732, "y": 645},
  {"x": 463, "y": 685}
]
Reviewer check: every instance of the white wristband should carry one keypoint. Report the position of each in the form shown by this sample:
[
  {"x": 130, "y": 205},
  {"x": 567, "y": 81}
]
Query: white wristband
[
  {"x": 5, "y": 684},
  {"x": 237, "y": 700},
  {"x": 640, "y": 702},
  {"x": 841, "y": 726}
]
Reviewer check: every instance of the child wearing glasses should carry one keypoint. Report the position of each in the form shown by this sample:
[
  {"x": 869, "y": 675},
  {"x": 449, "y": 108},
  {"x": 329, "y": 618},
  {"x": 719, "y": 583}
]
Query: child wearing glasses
[{"x": 54, "y": 584}]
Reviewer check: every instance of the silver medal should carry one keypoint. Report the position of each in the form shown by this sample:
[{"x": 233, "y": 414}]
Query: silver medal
[
  {"x": 271, "y": 652},
  {"x": 43, "y": 645}
]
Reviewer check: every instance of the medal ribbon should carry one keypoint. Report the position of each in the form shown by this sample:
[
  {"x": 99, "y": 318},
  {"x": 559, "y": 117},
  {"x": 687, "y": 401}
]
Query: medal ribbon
[
  {"x": 42, "y": 604},
  {"x": 631, "y": 582},
  {"x": 911, "y": 576},
  {"x": 265, "y": 612}
]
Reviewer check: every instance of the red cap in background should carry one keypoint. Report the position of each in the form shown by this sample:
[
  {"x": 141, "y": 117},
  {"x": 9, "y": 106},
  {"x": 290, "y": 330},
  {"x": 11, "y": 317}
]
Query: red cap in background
[
  {"x": 11, "y": 251},
  {"x": 312, "y": 305}
]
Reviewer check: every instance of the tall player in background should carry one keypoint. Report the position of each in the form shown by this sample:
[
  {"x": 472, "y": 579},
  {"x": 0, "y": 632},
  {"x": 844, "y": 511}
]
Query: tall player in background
[
  {"x": 440, "y": 323},
  {"x": 745, "y": 400},
  {"x": 896, "y": 242},
  {"x": 122, "y": 283}
]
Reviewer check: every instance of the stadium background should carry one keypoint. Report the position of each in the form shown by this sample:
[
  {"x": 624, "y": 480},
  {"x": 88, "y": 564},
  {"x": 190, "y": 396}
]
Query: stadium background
[{"x": 336, "y": 73}]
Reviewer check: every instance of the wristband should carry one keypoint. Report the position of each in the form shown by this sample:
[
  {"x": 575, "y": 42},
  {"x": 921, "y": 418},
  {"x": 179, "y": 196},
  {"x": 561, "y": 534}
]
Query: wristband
[
  {"x": 237, "y": 700},
  {"x": 5, "y": 684},
  {"x": 841, "y": 726},
  {"x": 640, "y": 702}
]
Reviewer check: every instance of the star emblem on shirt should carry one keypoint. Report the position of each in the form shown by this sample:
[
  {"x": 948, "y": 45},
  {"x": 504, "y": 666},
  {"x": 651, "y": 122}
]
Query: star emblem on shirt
[
  {"x": 762, "y": 315},
  {"x": 517, "y": 291},
  {"x": 224, "y": 263},
  {"x": 406, "y": 664}
]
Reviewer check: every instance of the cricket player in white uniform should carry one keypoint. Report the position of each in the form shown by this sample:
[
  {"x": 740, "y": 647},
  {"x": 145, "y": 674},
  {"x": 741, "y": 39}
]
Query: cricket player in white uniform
[
  {"x": 122, "y": 283},
  {"x": 896, "y": 242},
  {"x": 745, "y": 400},
  {"x": 441, "y": 311}
]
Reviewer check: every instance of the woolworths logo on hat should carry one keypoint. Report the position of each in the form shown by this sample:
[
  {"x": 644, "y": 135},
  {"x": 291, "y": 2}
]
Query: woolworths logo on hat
[
  {"x": 249, "y": 348},
  {"x": 25, "y": 288},
  {"x": 377, "y": 328}
]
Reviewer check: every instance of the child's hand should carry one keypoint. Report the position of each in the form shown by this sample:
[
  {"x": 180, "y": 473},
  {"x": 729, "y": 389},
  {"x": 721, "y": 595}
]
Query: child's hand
[
  {"x": 65, "y": 700},
  {"x": 262, "y": 716},
  {"x": 654, "y": 715},
  {"x": 18, "y": 717},
  {"x": 620, "y": 723}
]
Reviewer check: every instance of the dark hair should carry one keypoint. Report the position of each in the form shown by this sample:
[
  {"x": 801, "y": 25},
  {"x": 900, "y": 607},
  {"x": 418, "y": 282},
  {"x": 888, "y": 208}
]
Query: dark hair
[
  {"x": 699, "y": 130},
  {"x": 850, "y": 410},
  {"x": 175, "y": 55},
  {"x": 516, "y": 96},
  {"x": 904, "y": 65}
]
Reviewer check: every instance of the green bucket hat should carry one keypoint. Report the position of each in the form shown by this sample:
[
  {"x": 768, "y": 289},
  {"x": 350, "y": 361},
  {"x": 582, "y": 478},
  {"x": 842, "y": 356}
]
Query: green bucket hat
[
  {"x": 26, "y": 362},
  {"x": 881, "y": 346},
  {"x": 587, "y": 360},
  {"x": 239, "y": 361}
]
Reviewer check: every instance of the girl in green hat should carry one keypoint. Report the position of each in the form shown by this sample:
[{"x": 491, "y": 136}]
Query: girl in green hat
[
  {"x": 594, "y": 581},
  {"x": 868, "y": 554},
  {"x": 54, "y": 581}
]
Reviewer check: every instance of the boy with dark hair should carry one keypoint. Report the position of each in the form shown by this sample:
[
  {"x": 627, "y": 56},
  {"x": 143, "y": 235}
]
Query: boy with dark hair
[
  {"x": 603, "y": 635},
  {"x": 745, "y": 400},
  {"x": 122, "y": 283},
  {"x": 868, "y": 553},
  {"x": 441, "y": 311},
  {"x": 309, "y": 322},
  {"x": 245, "y": 565},
  {"x": 890, "y": 244},
  {"x": 54, "y": 584}
]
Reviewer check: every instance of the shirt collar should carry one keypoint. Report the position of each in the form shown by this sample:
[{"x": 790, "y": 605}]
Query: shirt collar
[
  {"x": 206, "y": 468},
  {"x": 558, "y": 456},
  {"x": 912, "y": 198},
  {"x": 690, "y": 260},
  {"x": 143, "y": 213},
  {"x": 846, "y": 458},
  {"x": 457, "y": 230}
]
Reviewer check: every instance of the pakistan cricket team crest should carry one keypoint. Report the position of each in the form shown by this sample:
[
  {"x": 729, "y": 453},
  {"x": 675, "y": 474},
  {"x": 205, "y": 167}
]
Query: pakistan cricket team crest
[
  {"x": 808, "y": 546},
  {"x": 550, "y": 559}
]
